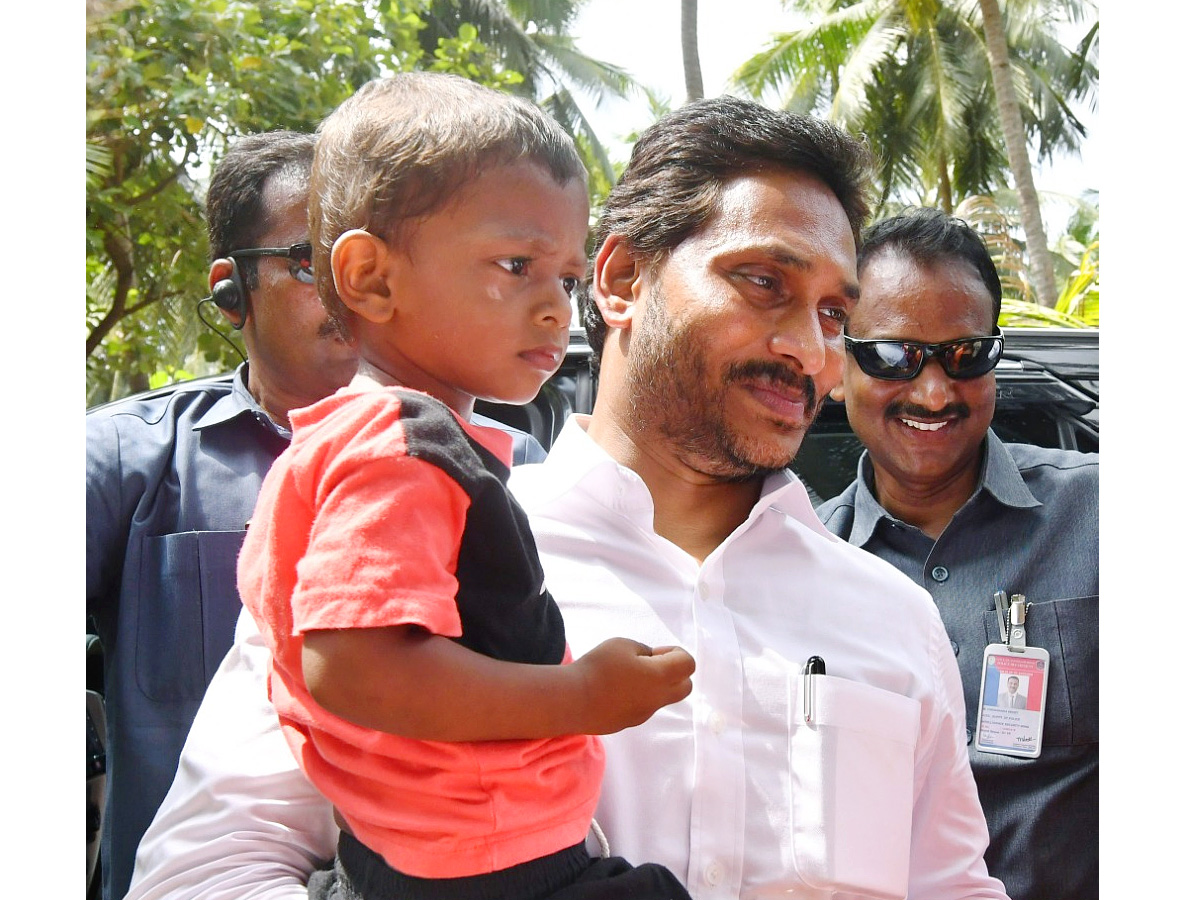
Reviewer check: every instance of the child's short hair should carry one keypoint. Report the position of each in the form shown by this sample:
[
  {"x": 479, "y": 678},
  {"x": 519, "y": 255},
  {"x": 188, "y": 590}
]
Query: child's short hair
[{"x": 401, "y": 147}]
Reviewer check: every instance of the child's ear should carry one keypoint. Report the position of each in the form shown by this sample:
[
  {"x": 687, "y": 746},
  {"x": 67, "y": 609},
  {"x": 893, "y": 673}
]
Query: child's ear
[
  {"x": 360, "y": 261},
  {"x": 838, "y": 393},
  {"x": 617, "y": 281}
]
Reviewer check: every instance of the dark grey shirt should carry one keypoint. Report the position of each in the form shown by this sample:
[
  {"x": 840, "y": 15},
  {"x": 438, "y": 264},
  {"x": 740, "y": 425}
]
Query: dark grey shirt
[
  {"x": 1031, "y": 527},
  {"x": 172, "y": 479}
]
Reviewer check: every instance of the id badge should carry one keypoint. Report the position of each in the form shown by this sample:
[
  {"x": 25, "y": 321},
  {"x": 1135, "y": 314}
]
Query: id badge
[{"x": 1012, "y": 700}]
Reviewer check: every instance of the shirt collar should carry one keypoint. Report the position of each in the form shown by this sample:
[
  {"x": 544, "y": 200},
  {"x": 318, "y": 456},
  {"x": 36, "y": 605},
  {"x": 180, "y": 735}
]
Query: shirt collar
[
  {"x": 239, "y": 402},
  {"x": 1001, "y": 478},
  {"x": 577, "y": 463}
]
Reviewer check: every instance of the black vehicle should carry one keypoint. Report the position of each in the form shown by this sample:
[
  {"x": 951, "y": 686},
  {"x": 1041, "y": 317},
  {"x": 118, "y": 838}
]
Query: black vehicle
[{"x": 1047, "y": 393}]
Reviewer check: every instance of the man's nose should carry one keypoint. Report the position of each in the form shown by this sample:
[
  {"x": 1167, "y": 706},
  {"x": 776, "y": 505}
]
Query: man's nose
[
  {"x": 800, "y": 337},
  {"x": 932, "y": 388}
]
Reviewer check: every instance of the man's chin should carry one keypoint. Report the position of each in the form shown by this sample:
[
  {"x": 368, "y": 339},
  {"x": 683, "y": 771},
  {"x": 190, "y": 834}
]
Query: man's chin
[
  {"x": 746, "y": 459},
  {"x": 772, "y": 458}
]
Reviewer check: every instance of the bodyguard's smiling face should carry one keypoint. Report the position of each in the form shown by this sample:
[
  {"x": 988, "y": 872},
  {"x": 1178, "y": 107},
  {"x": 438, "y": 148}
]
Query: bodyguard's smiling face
[{"x": 925, "y": 434}]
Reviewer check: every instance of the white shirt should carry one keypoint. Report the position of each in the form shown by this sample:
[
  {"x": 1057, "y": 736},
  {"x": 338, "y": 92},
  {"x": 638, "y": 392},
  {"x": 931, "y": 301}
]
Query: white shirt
[{"x": 731, "y": 789}]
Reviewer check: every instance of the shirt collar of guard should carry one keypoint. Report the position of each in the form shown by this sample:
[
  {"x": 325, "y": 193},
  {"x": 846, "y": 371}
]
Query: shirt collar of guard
[
  {"x": 239, "y": 402},
  {"x": 1001, "y": 478},
  {"x": 578, "y": 465}
]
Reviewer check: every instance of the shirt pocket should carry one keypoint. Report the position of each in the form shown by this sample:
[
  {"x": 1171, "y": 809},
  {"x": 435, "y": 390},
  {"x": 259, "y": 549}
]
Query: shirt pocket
[
  {"x": 1069, "y": 631},
  {"x": 852, "y": 786},
  {"x": 187, "y": 607}
]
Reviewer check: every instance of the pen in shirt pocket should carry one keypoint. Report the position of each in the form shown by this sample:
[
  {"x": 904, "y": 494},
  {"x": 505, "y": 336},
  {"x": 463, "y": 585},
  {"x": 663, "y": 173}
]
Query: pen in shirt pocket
[{"x": 815, "y": 666}]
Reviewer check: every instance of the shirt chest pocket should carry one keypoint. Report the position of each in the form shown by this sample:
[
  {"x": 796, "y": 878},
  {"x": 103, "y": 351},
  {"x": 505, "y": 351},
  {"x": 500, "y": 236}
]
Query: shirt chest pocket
[
  {"x": 852, "y": 787},
  {"x": 187, "y": 607},
  {"x": 1069, "y": 631}
]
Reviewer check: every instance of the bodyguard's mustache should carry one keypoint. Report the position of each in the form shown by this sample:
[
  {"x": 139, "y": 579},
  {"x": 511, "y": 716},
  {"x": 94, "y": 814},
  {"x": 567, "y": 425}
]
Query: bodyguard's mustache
[
  {"x": 328, "y": 328},
  {"x": 899, "y": 409}
]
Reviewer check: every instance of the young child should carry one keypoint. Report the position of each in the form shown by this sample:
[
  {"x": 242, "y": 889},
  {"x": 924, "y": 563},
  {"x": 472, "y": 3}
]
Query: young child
[{"x": 420, "y": 668}]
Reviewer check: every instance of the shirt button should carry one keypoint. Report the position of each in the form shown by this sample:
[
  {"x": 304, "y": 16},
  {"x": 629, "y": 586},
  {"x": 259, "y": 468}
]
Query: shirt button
[
  {"x": 704, "y": 592},
  {"x": 714, "y": 872},
  {"x": 939, "y": 573},
  {"x": 954, "y": 647},
  {"x": 716, "y": 723}
]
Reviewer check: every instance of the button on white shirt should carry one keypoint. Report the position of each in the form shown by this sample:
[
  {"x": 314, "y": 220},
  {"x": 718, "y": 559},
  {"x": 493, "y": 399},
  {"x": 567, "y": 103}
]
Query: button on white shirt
[
  {"x": 714, "y": 874},
  {"x": 707, "y": 786}
]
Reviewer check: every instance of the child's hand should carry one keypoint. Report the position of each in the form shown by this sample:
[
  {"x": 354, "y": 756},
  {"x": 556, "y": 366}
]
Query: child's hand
[{"x": 626, "y": 682}]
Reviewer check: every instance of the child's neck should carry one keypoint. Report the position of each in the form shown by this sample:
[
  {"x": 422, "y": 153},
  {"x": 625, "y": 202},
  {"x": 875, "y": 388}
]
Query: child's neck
[{"x": 371, "y": 377}]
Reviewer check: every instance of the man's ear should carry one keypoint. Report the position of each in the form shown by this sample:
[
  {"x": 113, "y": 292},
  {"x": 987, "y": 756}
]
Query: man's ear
[
  {"x": 360, "y": 262},
  {"x": 222, "y": 270},
  {"x": 616, "y": 281}
]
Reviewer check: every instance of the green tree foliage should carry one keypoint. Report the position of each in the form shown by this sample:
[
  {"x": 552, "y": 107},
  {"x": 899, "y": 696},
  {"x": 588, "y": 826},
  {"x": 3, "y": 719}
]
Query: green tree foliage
[
  {"x": 169, "y": 83},
  {"x": 1076, "y": 261},
  {"x": 533, "y": 38},
  {"x": 1080, "y": 246},
  {"x": 913, "y": 76}
]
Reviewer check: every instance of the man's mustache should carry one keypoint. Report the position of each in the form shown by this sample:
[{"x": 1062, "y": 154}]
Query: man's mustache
[
  {"x": 777, "y": 374},
  {"x": 900, "y": 409},
  {"x": 328, "y": 328}
]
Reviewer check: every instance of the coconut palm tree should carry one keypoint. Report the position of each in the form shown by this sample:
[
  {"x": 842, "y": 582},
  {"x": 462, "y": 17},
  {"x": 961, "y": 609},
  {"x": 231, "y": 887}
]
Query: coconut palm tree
[
  {"x": 532, "y": 37},
  {"x": 915, "y": 77},
  {"x": 692, "y": 77},
  {"x": 1014, "y": 141}
]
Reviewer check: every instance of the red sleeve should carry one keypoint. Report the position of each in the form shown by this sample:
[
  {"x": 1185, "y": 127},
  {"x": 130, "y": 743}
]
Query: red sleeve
[{"x": 385, "y": 540}]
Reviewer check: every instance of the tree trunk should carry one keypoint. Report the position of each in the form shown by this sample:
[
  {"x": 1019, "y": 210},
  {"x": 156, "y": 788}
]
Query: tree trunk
[
  {"x": 120, "y": 252},
  {"x": 1018, "y": 155},
  {"x": 691, "y": 51}
]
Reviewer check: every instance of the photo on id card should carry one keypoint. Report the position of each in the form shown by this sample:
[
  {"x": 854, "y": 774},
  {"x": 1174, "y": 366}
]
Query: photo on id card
[{"x": 1012, "y": 700}]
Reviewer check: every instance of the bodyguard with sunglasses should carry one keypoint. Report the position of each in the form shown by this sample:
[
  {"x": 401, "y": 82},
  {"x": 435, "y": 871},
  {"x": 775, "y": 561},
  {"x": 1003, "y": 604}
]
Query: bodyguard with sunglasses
[
  {"x": 172, "y": 477},
  {"x": 964, "y": 515}
]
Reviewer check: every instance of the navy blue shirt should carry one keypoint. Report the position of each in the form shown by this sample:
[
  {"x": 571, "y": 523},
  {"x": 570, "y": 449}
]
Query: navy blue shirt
[
  {"x": 1031, "y": 527},
  {"x": 172, "y": 479}
]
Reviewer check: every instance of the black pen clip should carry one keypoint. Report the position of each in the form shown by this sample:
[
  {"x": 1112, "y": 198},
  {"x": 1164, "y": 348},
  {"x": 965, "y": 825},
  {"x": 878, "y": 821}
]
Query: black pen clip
[{"x": 814, "y": 666}]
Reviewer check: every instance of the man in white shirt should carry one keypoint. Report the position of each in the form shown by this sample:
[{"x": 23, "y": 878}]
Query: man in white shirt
[{"x": 724, "y": 272}]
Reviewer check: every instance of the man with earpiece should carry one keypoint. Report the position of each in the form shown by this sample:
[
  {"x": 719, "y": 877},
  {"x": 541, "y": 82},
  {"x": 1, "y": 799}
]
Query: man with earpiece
[{"x": 173, "y": 475}]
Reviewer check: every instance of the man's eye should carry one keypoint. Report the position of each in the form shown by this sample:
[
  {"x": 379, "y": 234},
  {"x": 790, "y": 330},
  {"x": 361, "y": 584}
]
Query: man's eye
[
  {"x": 518, "y": 265},
  {"x": 570, "y": 283},
  {"x": 766, "y": 282},
  {"x": 838, "y": 314}
]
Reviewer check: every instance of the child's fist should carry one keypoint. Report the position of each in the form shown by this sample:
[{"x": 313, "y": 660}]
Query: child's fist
[{"x": 626, "y": 682}]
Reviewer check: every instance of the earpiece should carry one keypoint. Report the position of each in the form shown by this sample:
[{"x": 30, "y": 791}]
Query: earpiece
[{"x": 229, "y": 294}]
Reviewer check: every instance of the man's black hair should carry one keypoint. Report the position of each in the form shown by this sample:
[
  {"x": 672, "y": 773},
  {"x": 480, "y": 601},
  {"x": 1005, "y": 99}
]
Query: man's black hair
[
  {"x": 234, "y": 208},
  {"x": 680, "y": 164},
  {"x": 928, "y": 236}
]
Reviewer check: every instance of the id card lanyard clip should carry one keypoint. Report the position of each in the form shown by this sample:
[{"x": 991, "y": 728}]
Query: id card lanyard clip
[
  {"x": 1012, "y": 687},
  {"x": 1010, "y": 614}
]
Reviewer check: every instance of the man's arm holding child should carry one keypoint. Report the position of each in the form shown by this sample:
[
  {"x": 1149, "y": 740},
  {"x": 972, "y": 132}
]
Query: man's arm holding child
[{"x": 241, "y": 820}]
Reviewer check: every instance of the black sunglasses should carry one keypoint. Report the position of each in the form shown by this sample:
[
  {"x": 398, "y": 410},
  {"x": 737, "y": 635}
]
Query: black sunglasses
[
  {"x": 299, "y": 257},
  {"x": 903, "y": 360}
]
